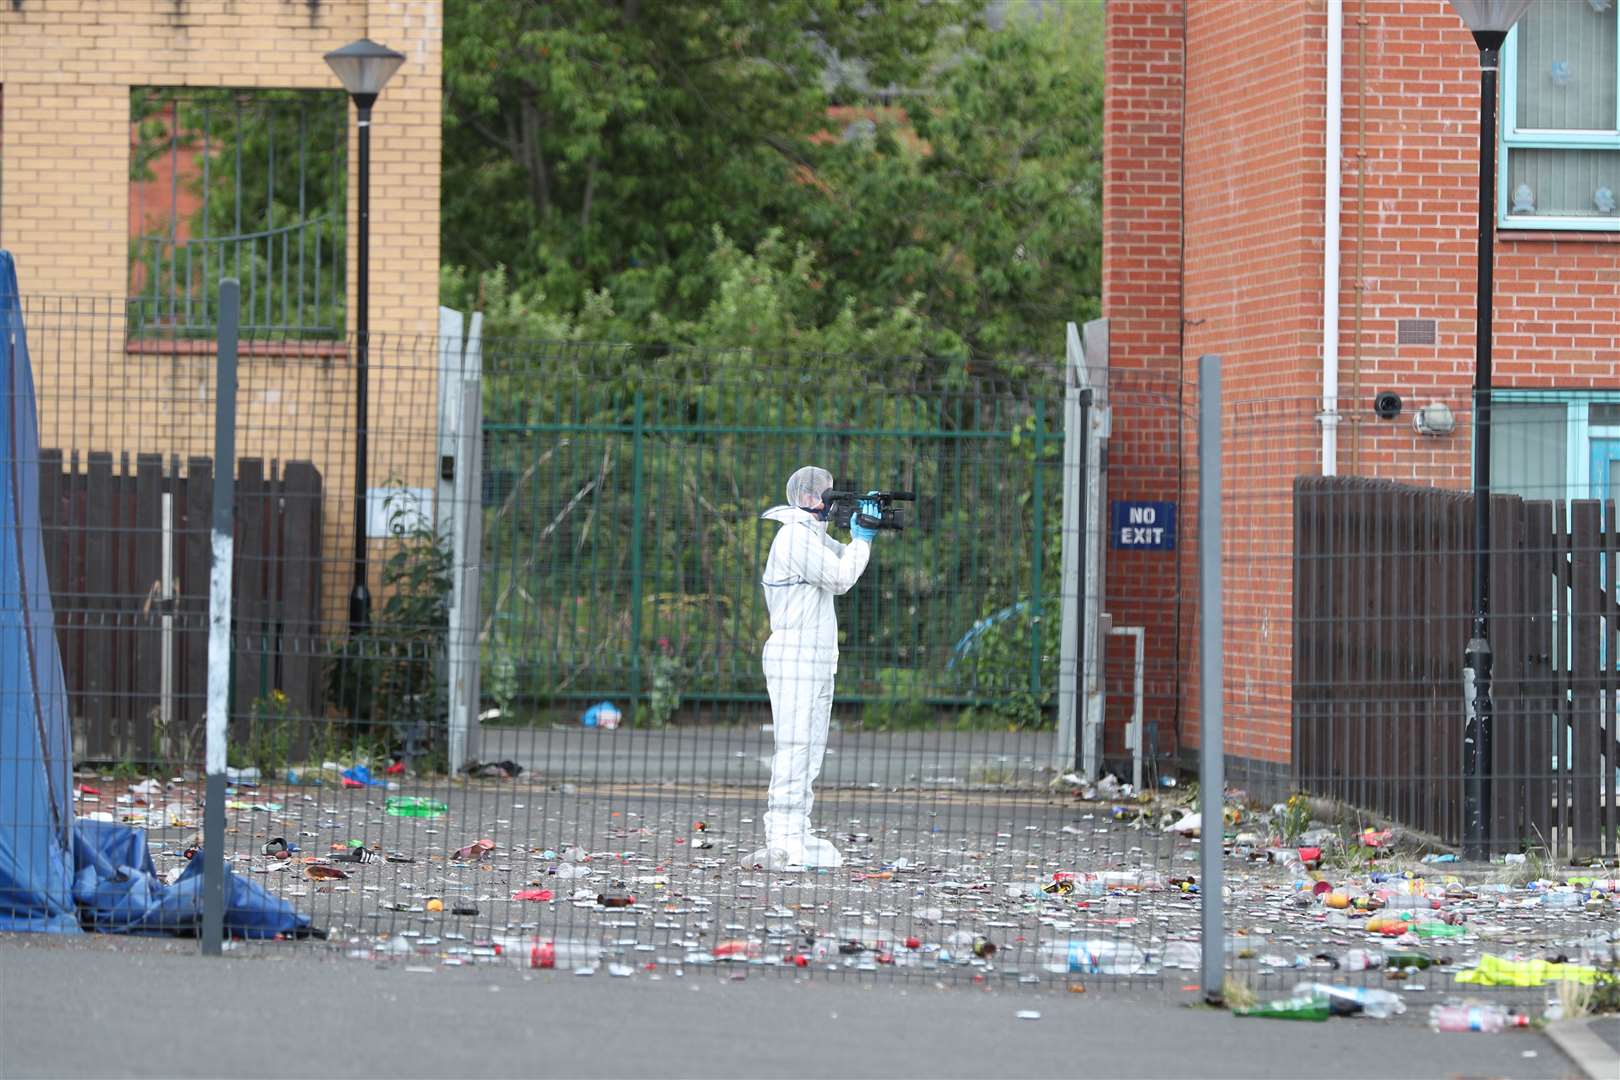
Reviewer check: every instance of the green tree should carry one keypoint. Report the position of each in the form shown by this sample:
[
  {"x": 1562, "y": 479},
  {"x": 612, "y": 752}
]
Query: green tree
[
  {"x": 980, "y": 204},
  {"x": 588, "y": 138},
  {"x": 963, "y": 223}
]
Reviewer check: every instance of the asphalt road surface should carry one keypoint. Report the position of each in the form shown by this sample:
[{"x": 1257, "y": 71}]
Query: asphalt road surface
[{"x": 109, "y": 1007}]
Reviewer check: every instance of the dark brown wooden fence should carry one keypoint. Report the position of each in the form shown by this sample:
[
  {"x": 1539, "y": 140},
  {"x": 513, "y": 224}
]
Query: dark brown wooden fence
[
  {"x": 104, "y": 542},
  {"x": 1383, "y": 596}
]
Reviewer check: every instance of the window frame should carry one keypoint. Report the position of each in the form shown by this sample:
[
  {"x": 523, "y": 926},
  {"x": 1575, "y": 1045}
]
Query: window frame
[
  {"x": 1511, "y": 137},
  {"x": 1579, "y": 430}
]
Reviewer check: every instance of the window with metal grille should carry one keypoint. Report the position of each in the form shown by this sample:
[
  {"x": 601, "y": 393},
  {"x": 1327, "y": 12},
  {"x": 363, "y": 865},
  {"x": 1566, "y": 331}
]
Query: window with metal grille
[
  {"x": 1561, "y": 118},
  {"x": 244, "y": 184}
]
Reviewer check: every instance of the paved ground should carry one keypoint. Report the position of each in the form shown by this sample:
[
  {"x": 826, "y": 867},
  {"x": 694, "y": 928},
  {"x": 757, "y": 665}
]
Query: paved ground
[
  {"x": 101, "y": 1007},
  {"x": 742, "y": 755}
]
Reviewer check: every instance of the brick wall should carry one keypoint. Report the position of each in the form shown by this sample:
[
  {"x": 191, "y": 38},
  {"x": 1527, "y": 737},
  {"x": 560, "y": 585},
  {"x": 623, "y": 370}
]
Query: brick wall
[
  {"x": 1141, "y": 283},
  {"x": 1253, "y": 196},
  {"x": 1555, "y": 323},
  {"x": 68, "y": 69},
  {"x": 1252, "y": 199}
]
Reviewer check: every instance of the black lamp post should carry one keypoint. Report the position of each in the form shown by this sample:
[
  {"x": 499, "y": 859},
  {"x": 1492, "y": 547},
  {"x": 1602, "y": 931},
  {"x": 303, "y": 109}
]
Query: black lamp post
[
  {"x": 1489, "y": 21},
  {"x": 363, "y": 66}
]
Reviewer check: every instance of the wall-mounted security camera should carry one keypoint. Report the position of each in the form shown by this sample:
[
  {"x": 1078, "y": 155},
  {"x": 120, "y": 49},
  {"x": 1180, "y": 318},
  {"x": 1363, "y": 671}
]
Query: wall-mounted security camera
[
  {"x": 1387, "y": 405},
  {"x": 1435, "y": 418}
]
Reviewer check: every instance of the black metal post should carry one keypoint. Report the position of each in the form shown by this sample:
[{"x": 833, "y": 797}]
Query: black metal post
[
  {"x": 1080, "y": 585},
  {"x": 360, "y": 596},
  {"x": 1477, "y": 656}
]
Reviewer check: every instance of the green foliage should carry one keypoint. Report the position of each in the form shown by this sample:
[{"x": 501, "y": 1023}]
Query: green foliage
[
  {"x": 667, "y": 673},
  {"x": 272, "y": 728},
  {"x": 390, "y": 678},
  {"x": 691, "y": 177},
  {"x": 501, "y": 681},
  {"x": 587, "y": 139},
  {"x": 1296, "y": 817}
]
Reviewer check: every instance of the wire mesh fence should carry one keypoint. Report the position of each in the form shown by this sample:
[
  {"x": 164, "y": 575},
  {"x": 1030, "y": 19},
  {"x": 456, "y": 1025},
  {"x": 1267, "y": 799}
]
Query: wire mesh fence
[
  {"x": 1389, "y": 862},
  {"x": 661, "y": 765},
  {"x": 625, "y": 703}
]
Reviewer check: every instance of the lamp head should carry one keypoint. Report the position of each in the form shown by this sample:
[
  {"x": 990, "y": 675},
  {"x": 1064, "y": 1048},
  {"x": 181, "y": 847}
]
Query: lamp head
[
  {"x": 1490, "y": 20},
  {"x": 364, "y": 67}
]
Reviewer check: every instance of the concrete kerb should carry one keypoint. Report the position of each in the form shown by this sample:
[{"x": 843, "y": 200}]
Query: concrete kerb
[{"x": 1597, "y": 1059}]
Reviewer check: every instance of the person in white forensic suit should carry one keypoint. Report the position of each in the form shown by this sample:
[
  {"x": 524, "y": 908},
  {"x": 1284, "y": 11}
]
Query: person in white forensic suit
[{"x": 806, "y": 568}]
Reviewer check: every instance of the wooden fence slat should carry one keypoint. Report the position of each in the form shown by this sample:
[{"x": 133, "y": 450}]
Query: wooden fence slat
[
  {"x": 301, "y": 584},
  {"x": 1584, "y": 632},
  {"x": 1380, "y": 703},
  {"x": 193, "y": 546},
  {"x": 1407, "y": 682},
  {"x": 1506, "y": 625},
  {"x": 120, "y": 608},
  {"x": 252, "y": 649},
  {"x": 55, "y": 502},
  {"x": 1538, "y": 691},
  {"x": 100, "y": 736},
  {"x": 1562, "y": 732},
  {"x": 1609, "y": 687},
  {"x": 1298, "y": 663},
  {"x": 147, "y": 683}
]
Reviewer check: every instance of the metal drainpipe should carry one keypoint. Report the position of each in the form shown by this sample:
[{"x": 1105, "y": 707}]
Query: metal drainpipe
[
  {"x": 1360, "y": 284},
  {"x": 1332, "y": 163}
]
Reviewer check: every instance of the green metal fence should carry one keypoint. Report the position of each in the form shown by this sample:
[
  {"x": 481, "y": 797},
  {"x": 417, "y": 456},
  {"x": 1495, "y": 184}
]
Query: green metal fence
[{"x": 623, "y": 539}]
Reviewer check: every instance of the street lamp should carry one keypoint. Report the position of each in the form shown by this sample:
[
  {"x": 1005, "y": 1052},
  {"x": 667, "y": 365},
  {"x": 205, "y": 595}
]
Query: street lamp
[
  {"x": 364, "y": 67},
  {"x": 1489, "y": 21}
]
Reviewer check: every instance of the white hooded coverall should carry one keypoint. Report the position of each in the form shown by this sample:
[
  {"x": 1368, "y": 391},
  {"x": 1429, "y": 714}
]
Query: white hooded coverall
[{"x": 806, "y": 568}]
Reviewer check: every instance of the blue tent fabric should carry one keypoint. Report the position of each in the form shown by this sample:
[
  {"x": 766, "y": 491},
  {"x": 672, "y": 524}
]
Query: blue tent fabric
[
  {"x": 118, "y": 891},
  {"x": 36, "y": 803},
  {"x": 58, "y": 874}
]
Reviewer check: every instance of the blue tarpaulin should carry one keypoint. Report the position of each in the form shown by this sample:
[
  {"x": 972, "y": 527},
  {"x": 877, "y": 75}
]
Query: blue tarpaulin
[{"x": 58, "y": 874}]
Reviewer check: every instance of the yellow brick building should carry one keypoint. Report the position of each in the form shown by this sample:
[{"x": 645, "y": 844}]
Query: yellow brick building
[{"x": 67, "y": 70}]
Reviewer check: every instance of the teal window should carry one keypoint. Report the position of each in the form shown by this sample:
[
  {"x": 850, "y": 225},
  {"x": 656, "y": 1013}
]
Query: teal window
[
  {"x": 1551, "y": 445},
  {"x": 1560, "y": 150}
]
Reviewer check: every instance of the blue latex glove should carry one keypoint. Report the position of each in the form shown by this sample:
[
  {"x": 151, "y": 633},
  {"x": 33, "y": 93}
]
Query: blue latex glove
[{"x": 859, "y": 531}]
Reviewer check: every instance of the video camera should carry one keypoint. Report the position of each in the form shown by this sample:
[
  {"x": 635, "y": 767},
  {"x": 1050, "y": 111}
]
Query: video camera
[{"x": 843, "y": 503}]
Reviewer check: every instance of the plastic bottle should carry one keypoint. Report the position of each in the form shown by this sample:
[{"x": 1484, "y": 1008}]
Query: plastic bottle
[
  {"x": 1097, "y": 957},
  {"x": 546, "y": 953},
  {"x": 1182, "y": 954},
  {"x": 1438, "y": 929},
  {"x": 1408, "y": 960},
  {"x": 1491, "y": 1018},
  {"x": 414, "y": 806},
  {"x": 1355, "y": 1000},
  {"x": 1297, "y": 1008},
  {"x": 1363, "y": 960}
]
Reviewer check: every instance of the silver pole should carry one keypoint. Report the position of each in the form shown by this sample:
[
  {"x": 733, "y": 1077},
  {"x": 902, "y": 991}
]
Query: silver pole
[
  {"x": 219, "y": 617},
  {"x": 1211, "y": 774}
]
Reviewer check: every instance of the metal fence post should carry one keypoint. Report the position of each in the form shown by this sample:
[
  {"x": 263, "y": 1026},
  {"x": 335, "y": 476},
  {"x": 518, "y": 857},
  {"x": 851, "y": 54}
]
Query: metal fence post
[
  {"x": 1035, "y": 557},
  {"x": 635, "y": 557},
  {"x": 219, "y": 617},
  {"x": 464, "y": 511},
  {"x": 1083, "y": 523},
  {"x": 1211, "y": 774}
]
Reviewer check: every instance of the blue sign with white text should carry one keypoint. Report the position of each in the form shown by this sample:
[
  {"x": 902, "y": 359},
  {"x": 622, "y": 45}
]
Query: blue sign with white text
[{"x": 1143, "y": 526}]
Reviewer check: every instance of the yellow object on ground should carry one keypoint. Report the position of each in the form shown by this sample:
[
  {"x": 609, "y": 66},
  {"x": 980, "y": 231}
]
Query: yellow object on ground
[{"x": 1500, "y": 971}]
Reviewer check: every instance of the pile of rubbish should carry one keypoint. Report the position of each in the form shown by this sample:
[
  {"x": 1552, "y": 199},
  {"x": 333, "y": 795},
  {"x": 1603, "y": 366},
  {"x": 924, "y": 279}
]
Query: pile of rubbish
[{"x": 1043, "y": 889}]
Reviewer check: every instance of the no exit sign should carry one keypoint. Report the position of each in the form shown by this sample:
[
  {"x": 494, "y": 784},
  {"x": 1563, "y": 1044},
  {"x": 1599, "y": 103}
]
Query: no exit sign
[{"x": 1143, "y": 526}]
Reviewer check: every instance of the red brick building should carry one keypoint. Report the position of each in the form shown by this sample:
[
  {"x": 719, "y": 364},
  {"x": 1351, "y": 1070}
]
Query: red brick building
[{"x": 1223, "y": 197}]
